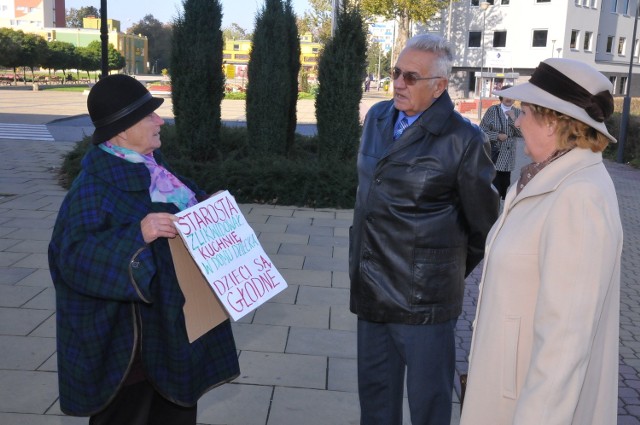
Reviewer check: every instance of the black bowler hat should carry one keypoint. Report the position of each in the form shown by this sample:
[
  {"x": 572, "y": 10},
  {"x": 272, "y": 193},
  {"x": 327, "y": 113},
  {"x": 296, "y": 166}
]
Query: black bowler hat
[{"x": 116, "y": 103}]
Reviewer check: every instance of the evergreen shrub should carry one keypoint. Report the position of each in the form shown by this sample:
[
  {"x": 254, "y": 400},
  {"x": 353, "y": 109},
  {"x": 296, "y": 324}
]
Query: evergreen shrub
[{"x": 302, "y": 179}]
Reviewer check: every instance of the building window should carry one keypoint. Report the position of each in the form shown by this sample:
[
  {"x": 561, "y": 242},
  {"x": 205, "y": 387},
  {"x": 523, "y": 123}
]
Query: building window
[
  {"x": 575, "y": 34},
  {"x": 609, "y": 44},
  {"x": 477, "y": 2},
  {"x": 613, "y": 83},
  {"x": 543, "y": 1},
  {"x": 505, "y": 2},
  {"x": 593, "y": 4},
  {"x": 625, "y": 7},
  {"x": 614, "y": 6},
  {"x": 588, "y": 36},
  {"x": 622, "y": 42},
  {"x": 236, "y": 47},
  {"x": 623, "y": 85},
  {"x": 539, "y": 38},
  {"x": 635, "y": 50},
  {"x": 474, "y": 38},
  {"x": 499, "y": 39}
]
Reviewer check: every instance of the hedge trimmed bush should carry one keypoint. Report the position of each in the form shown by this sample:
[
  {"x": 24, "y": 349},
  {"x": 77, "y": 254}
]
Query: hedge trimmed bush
[{"x": 301, "y": 179}]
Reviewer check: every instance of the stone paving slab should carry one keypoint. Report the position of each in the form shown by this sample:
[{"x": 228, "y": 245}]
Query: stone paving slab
[
  {"x": 303, "y": 316},
  {"x": 16, "y": 296},
  {"x": 235, "y": 404},
  {"x": 258, "y": 337},
  {"x": 25, "y": 353},
  {"x": 24, "y": 419},
  {"x": 27, "y": 391},
  {"x": 21, "y": 321},
  {"x": 307, "y": 277},
  {"x": 322, "y": 342},
  {"x": 283, "y": 370}
]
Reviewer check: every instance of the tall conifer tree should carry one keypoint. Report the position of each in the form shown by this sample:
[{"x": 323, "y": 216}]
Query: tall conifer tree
[
  {"x": 273, "y": 79},
  {"x": 341, "y": 73},
  {"x": 197, "y": 79}
]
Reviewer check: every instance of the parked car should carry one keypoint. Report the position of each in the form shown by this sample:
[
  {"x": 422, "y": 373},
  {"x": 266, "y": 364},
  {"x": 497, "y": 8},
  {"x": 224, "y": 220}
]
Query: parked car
[{"x": 383, "y": 81}]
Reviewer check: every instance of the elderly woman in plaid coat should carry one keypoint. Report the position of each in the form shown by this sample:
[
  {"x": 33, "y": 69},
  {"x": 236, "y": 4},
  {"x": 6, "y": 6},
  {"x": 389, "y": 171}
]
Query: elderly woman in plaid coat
[
  {"x": 123, "y": 351},
  {"x": 498, "y": 124}
]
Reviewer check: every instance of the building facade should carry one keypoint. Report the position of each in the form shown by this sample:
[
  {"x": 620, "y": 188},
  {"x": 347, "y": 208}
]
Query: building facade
[
  {"x": 235, "y": 57},
  {"x": 19, "y": 14},
  {"x": 42, "y": 17},
  {"x": 509, "y": 38}
]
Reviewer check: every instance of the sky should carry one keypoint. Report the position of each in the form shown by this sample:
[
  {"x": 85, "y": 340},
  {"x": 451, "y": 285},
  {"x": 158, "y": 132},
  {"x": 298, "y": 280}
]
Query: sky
[{"x": 129, "y": 12}]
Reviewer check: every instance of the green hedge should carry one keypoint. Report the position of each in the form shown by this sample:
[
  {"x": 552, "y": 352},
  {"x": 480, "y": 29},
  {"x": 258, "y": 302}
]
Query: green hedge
[
  {"x": 632, "y": 143},
  {"x": 300, "y": 180}
]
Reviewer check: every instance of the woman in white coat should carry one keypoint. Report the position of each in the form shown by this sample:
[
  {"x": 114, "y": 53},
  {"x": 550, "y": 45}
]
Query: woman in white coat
[{"x": 545, "y": 342}]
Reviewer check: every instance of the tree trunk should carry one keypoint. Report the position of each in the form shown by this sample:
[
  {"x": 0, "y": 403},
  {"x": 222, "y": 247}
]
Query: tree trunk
[
  {"x": 402, "y": 36},
  {"x": 403, "y": 33}
]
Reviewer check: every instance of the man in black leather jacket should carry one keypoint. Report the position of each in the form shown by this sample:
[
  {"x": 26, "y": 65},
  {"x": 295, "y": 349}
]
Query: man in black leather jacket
[{"x": 424, "y": 206}]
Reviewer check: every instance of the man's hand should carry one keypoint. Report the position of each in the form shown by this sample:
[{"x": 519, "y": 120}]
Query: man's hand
[{"x": 158, "y": 225}]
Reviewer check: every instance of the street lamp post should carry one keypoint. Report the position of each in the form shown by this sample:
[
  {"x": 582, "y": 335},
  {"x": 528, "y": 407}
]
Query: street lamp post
[
  {"x": 553, "y": 46},
  {"x": 104, "y": 39},
  {"x": 626, "y": 104},
  {"x": 379, "y": 57},
  {"x": 484, "y": 6}
]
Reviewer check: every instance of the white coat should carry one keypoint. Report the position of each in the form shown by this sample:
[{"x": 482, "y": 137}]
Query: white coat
[{"x": 545, "y": 344}]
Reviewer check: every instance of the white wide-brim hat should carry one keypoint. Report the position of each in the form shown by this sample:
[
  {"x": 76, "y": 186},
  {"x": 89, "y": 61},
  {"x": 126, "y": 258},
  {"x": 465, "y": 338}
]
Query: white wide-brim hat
[{"x": 570, "y": 87}]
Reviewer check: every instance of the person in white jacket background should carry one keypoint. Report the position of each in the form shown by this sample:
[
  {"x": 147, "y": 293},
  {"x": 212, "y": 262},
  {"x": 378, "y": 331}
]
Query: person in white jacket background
[{"x": 545, "y": 341}]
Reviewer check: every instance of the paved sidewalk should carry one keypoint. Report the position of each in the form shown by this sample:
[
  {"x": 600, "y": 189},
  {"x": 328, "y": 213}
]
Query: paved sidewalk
[{"x": 297, "y": 352}]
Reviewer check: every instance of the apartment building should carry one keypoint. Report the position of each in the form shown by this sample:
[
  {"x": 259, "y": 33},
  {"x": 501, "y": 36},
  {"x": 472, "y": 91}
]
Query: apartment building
[
  {"x": 235, "y": 56},
  {"x": 507, "y": 40},
  {"x": 47, "y": 19},
  {"x": 22, "y": 14}
]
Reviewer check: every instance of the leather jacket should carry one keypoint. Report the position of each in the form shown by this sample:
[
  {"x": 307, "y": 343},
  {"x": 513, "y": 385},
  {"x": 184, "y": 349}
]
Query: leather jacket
[{"x": 424, "y": 206}]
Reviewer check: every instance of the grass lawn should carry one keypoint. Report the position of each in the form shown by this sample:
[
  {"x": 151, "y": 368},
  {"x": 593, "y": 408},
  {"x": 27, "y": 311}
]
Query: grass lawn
[{"x": 75, "y": 88}]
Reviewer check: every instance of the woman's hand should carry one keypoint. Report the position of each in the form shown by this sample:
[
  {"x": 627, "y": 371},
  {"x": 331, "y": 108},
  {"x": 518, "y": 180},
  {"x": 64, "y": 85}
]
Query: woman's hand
[
  {"x": 158, "y": 225},
  {"x": 502, "y": 137}
]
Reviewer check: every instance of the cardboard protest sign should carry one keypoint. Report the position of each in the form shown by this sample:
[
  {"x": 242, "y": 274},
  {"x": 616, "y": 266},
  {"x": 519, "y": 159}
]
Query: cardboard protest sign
[
  {"x": 229, "y": 255},
  {"x": 202, "y": 309}
]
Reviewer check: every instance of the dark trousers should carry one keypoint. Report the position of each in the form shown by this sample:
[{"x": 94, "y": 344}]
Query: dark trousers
[
  {"x": 501, "y": 182},
  {"x": 140, "y": 404},
  {"x": 425, "y": 352}
]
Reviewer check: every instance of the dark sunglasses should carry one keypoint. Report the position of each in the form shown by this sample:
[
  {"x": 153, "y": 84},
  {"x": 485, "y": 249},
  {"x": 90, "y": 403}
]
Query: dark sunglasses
[{"x": 410, "y": 78}]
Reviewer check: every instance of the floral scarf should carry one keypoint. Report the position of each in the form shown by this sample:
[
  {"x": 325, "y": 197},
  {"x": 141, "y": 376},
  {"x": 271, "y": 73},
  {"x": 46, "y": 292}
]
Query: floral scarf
[{"x": 165, "y": 187}]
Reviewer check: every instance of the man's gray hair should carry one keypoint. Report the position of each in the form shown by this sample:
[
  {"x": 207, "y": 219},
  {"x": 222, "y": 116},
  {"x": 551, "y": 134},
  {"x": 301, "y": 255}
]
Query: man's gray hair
[{"x": 434, "y": 44}]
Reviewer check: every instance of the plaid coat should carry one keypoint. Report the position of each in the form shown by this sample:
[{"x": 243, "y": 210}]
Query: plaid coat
[
  {"x": 495, "y": 122},
  {"x": 107, "y": 279}
]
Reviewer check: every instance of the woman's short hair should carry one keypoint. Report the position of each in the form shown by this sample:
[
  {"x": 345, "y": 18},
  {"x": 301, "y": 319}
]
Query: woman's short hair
[{"x": 571, "y": 132}]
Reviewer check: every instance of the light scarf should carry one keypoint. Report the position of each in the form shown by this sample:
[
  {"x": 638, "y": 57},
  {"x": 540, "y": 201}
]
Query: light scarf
[
  {"x": 529, "y": 171},
  {"x": 505, "y": 109},
  {"x": 165, "y": 187}
]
